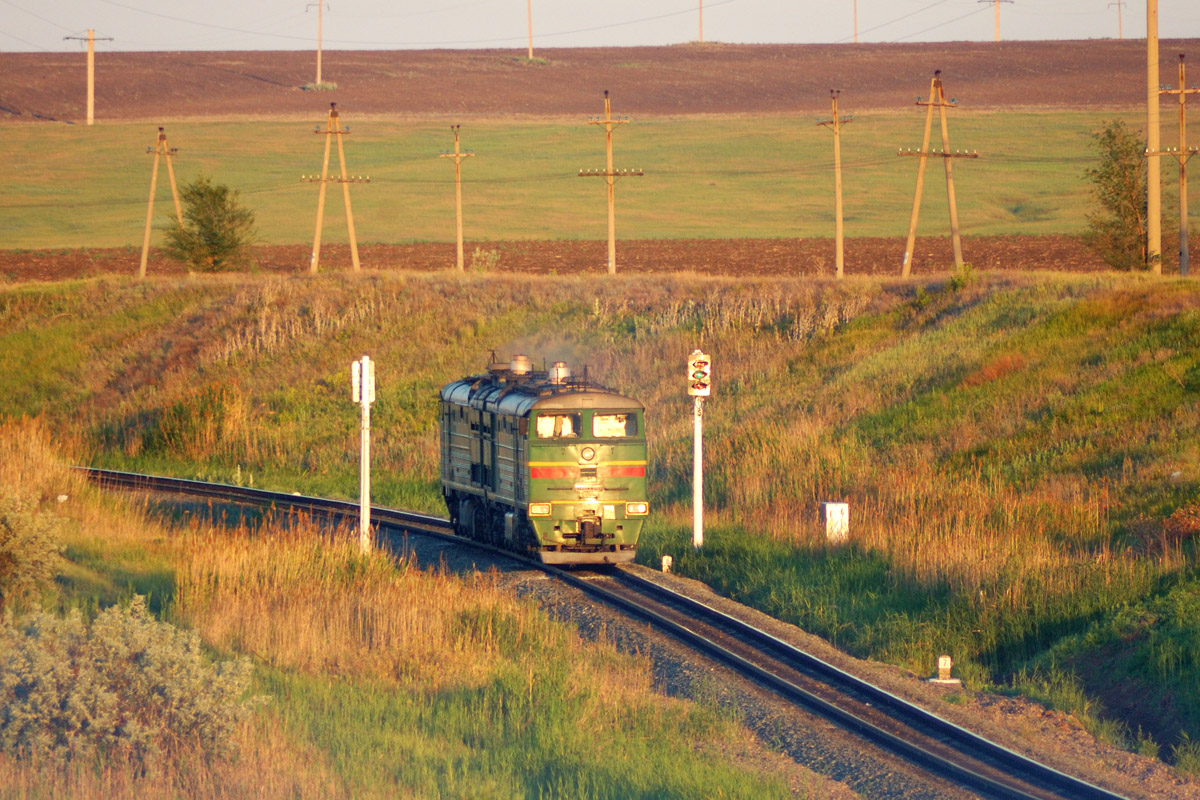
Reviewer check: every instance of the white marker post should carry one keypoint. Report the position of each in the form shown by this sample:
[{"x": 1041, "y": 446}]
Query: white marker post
[
  {"x": 362, "y": 385},
  {"x": 699, "y": 387}
]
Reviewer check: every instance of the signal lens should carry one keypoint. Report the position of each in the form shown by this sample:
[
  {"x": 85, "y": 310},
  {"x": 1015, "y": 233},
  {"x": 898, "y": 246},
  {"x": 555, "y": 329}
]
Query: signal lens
[{"x": 539, "y": 509}]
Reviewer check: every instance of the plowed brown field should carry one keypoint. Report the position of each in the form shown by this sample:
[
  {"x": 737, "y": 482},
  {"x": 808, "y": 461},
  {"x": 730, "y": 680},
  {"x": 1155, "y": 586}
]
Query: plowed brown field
[
  {"x": 750, "y": 257},
  {"x": 676, "y": 80},
  {"x": 682, "y": 79}
]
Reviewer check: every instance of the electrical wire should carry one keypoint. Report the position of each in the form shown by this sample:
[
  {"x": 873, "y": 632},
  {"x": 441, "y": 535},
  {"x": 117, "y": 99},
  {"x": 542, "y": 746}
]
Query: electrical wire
[
  {"x": 894, "y": 21},
  {"x": 37, "y": 17},
  {"x": 23, "y": 41},
  {"x": 381, "y": 43},
  {"x": 943, "y": 24}
]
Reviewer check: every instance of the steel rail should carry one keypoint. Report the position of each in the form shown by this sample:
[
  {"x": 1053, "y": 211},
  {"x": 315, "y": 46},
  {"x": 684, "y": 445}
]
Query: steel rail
[
  {"x": 1039, "y": 777},
  {"x": 1040, "y": 782}
]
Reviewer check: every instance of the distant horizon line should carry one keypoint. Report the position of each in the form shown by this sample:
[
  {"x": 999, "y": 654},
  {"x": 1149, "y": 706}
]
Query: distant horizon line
[{"x": 108, "y": 48}]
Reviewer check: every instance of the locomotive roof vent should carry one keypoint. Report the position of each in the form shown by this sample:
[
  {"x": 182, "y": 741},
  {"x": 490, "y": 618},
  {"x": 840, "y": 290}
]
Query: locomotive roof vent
[
  {"x": 521, "y": 365},
  {"x": 560, "y": 372}
]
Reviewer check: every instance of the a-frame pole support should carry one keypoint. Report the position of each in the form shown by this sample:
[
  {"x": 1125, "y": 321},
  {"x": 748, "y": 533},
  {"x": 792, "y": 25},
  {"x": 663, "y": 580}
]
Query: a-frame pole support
[
  {"x": 161, "y": 149},
  {"x": 333, "y": 128}
]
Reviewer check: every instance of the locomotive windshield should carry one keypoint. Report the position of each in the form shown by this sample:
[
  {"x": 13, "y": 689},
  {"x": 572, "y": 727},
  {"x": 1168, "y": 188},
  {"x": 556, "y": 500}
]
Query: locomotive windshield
[
  {"x": 558, "y": 426},
  {"x": 612, "y": 426}
]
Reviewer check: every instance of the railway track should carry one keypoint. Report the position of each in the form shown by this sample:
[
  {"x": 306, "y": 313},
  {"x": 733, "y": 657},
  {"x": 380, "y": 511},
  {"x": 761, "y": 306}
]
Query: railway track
[{"x": 887, "y": 721}]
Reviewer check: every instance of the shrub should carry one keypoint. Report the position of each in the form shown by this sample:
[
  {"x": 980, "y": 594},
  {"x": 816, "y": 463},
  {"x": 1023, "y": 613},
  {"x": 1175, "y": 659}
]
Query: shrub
[
  {"x": 216, "y": 230},
  {"x": 129, "y": 688},
  {"x": 29, "y": 549},
  {"x": 1118, "y": 231}
]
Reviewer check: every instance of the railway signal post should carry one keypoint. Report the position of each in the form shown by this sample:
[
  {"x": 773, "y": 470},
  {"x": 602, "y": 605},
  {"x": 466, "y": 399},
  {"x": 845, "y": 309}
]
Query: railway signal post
[
  {"x": 333, "y": 129},
  {"x": 835, "y": 124},
  {"x": 610, "y": 177},
  {"x": 1183, "y": 154},
  {"x": 362, "y": 389},
  {"x": 937, "y": 99},
  {"x": 458, "y": 156},
  {"x": 159, "y": 150},
  {"x": 699, "y": 368}
]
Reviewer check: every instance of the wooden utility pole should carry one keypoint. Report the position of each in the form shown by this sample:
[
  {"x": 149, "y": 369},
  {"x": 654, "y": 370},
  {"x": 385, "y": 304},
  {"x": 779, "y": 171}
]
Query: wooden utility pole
[
  {"x": 333, "y": 129},
  {"x": 835, "y": 124},
  {"x": 458, "y": 156},
  {"x": 1153, "y": 147},
  {"x": 1183, "y": 153},
  {"x": 1120, "y": 27},
  {"x": 320, "y": 8},
  {"x": 856, "y": 21},
  {"x": 610, "y": 176},
  {"x": 997, "y": 3},
  {"x": 701, "y": 21},
  {"x": 937, "y": 100},
  {"x": 159, "y": 150},
  {"x": 91, "y": 70},
  {"x": 529, "y": 20}
]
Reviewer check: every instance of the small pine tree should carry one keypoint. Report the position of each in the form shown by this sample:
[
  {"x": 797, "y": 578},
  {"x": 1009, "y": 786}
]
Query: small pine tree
[
  {"x": 216, "y": 230},
  {"x": 1118, "y": 230}
]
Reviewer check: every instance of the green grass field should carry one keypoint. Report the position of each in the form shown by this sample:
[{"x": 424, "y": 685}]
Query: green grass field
[{"x": 711, "y": 178}]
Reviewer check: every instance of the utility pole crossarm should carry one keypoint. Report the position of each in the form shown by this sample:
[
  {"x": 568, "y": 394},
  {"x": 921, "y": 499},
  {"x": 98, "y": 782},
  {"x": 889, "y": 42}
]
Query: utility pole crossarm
[
  {"x": 160, "y": 150},
  {"x": 835, "y": 123},
  {"x": 1183, "y": 154},
  {"x": 334, "y": 179},
  {"x": 616, "y": 173},
  {"x": 937, "y": 154},
  {"x": 458, "y": 155},
  {"x": 997, "y": 3},
  {"x": 938, "y": 101},
  {"x": 610, "y": 175},
  {"x": 334, "y": 129},
  {"x": 91, "y": 69}
]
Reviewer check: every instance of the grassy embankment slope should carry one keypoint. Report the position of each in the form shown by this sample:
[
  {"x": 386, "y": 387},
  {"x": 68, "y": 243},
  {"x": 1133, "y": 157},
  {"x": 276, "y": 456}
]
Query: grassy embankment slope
[
  {"x": 1019, "y": 453},
  {"x": 373, "y": 678},
  {"x": 711, "y": 178}
]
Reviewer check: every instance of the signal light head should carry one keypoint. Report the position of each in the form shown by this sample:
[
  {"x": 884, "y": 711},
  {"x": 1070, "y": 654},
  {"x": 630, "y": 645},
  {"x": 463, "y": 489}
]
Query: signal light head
[{"x": 699, "y": 374}]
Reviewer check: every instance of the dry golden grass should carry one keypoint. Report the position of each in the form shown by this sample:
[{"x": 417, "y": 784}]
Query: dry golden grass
[
  {"x": 299, "y": 597},
  {"x": 31, "y": 466},
  {"x": 269, "y": 765}
]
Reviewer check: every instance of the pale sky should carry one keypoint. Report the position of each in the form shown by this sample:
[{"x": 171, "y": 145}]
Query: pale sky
[{"x": 41, "y": 25}]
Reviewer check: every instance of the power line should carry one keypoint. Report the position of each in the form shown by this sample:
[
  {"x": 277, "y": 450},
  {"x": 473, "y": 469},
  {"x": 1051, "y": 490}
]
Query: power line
[
  {"x": 497, "y": 40},
  {"x": 23, "y": 41},
  {"x": 37, "y": 17},
  {"x": 942, "y": 24},
  {"x": 897, "y": 19}
]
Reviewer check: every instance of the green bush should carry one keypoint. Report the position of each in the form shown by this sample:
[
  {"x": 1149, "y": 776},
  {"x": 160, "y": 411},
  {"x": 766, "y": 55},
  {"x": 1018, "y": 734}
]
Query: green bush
[
  {"x": 127, "y": 688},
  {"x": 216, "y": 230},
  {"x": 29, "y": 549},
  {"x": 1118, "y": 230}
]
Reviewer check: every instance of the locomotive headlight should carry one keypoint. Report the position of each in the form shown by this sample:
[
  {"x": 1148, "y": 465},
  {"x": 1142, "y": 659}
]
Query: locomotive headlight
[
  {"x": 587, "y": 453},
  {"x": 539, "y": 509},
  {"x": 637, "y": 509}
]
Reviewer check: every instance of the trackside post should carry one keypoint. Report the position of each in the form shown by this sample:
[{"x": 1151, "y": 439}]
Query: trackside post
[
  {"x": 362, "y": 387},
  {"x": 699, "y": 387}
]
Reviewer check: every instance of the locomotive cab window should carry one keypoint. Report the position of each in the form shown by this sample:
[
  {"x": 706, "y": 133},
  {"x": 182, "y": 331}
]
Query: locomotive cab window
[
  {"x": 558, "y": 426},
  {"x": 612, "y": 426}
]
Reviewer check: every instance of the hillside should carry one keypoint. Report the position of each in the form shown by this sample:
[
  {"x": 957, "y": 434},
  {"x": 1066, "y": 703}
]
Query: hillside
[
  {"x": 682, "y": 79},
  {"x": 1019, "y": 453}
]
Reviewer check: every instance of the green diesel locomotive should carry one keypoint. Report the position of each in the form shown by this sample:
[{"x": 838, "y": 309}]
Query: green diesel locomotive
[{"x": 544, "y": 463}]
